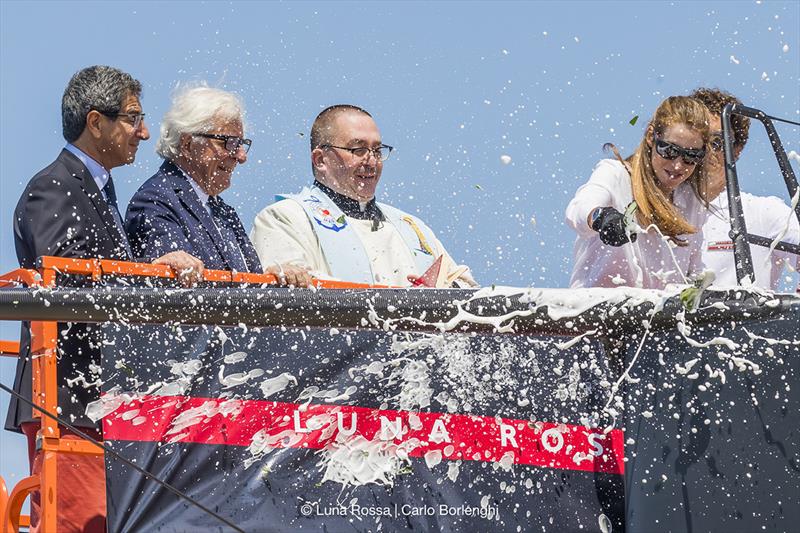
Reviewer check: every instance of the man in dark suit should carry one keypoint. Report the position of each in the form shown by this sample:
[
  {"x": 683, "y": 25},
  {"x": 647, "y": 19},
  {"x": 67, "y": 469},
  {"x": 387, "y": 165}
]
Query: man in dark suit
[
  {"x": 179, "y": 208},
  {"x": 69, "y": 209}
]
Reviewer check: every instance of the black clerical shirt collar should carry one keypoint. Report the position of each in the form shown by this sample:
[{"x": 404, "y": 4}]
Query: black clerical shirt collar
[{"x": 352, "y": 208}]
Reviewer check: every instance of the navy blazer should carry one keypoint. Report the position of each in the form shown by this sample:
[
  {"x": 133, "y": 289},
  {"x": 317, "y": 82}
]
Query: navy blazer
[
  {"x": 166, "y": 215},
  {"x": 62, "y": 213}
]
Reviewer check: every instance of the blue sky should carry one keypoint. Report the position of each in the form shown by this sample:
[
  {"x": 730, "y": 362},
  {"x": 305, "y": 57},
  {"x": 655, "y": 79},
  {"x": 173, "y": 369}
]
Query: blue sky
[{"x": 452, "y": 85}]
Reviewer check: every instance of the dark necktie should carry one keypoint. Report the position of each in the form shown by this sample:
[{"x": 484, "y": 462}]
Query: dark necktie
[
  {"x": 111, "y": 194},
  {"x": 111, "y": 199},
  {"x": 227, "y": 222}
]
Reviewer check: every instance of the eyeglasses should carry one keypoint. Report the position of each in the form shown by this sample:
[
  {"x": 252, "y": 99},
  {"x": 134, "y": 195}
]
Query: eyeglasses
[
  {"x": 134, "y": 119},
  {"x": 381, "y": 152},
  {"x": 716, "y": 142},
  {"x": 232, "y": 142},
  {"x": 669, "y": 151}
]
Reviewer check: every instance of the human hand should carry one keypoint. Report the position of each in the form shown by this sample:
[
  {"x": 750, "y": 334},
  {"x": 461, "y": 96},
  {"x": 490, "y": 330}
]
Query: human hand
[
  {"x": 611, "y": 225},
  {"x": 187, "y": 268},
  {"x": 291, "y": 275}
]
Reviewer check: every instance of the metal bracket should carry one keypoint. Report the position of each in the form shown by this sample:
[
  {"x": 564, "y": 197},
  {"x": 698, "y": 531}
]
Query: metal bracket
[{"x": 739, "y": 235}]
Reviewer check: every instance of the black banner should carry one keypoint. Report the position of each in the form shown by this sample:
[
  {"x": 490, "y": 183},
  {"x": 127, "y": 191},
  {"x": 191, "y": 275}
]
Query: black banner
[
  {"x": 531, "y": 427},
  {"x": 713, "y": 428}
]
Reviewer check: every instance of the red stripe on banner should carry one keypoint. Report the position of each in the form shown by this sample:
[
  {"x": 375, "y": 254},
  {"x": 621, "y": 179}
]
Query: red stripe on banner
[{"x": 187, "y": 419}]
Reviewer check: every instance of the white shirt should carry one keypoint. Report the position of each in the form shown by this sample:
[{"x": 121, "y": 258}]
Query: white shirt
[
  {"x": 100, "y": 176},
  {"x": 201, "y": 194},
  {"x": 283, "y": 234},
  {"x": 203, "y": 197},
  {"x": 647, "y": 263},
  {"x": 98, "y": 172},
  {"x": 766, "y": 216}
]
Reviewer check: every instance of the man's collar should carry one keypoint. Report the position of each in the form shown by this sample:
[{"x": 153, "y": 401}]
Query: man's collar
[
  {"x": 201, "y": 194},
  {"x": 350, "y": 207},
  {"x": 96, "y": 170}
]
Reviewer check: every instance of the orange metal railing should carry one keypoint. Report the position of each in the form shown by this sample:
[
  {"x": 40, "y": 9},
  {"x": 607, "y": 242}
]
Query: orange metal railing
[{"x": 45, "y": 375}]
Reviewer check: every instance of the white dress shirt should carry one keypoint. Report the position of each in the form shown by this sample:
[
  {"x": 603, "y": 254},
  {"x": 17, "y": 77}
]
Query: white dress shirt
[
  {"x": 647, "y": 263},
  {"x": 766, "y": 216}
]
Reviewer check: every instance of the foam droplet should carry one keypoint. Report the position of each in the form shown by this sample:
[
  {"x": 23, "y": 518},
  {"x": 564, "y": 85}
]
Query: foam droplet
[{"x": 604, "y": 523}]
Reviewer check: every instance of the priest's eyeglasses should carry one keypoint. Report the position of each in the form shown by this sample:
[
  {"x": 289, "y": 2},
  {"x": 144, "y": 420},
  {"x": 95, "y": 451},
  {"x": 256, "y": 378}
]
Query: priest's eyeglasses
[{"x": 381, "y": 152}]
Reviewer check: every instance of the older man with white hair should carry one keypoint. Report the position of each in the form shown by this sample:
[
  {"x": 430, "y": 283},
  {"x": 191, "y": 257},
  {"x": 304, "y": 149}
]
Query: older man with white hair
[{"x": 179, "y": 208}]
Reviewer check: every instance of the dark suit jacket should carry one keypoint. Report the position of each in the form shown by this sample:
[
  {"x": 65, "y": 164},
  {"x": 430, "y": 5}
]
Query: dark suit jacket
[
  {"x": 166, "y": 215},
  {"x": 63, "y": 213}
]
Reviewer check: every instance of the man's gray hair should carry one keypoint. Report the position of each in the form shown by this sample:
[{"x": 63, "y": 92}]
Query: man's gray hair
[
  {"x": 194, "y": 110},
  {"x": 100, "y": 88}
]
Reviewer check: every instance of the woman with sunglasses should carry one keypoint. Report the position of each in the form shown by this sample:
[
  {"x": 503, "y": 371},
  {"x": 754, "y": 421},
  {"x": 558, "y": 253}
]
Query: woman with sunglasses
[{"x": 637, "y": 219}]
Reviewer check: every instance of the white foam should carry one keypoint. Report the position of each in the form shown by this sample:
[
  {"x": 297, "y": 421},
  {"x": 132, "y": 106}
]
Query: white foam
[
  {"x": 357, "y": 461},
  {"x": 235, "y": 357},
  {"x": 271, "y": 386},
  {"x": 433, "y": 458},
  {"x": 107, "y": 404}
]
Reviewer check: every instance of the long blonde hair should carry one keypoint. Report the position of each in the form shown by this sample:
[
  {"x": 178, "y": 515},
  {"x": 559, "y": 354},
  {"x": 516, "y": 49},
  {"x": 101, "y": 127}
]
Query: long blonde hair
[{"x": 656, "y": 207}]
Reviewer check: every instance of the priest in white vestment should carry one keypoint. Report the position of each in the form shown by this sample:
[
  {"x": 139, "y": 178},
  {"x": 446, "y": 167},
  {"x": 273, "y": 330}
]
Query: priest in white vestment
[{"x": 336, "y": 229}]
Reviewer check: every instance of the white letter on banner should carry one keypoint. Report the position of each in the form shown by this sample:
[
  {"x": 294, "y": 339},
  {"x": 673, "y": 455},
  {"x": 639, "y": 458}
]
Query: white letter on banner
[
  {"x": 507, "y": 434},
  {"x": 555, "y": 434},
  {"x": 439, "y": 432},
  {"x": 340, "y": 423},
  {"x": 597, "y": 448},
  {"x": 397, "y": 428},
  {"x": 298, "y": 428}
]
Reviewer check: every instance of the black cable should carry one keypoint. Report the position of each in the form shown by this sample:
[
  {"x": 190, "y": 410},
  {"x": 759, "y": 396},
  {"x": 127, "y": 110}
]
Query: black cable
[
  {"x": 783, "y": 120},
  {"x": 123, "y": 459}
]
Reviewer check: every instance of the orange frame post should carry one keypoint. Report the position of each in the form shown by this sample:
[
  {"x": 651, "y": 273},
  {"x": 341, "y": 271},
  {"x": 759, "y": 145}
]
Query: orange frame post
[{"x": 44, "y": 354}]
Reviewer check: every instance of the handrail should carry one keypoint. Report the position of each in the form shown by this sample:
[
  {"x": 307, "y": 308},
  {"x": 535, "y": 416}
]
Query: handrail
[
  {"x": 20, "y": 276},
  {"x": 96, "y": 268},
  {"x": 9, "y": 348}
]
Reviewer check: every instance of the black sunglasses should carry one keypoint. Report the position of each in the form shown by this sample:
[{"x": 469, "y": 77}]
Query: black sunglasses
[
  {"x": 232, "y": 142},
  {"x": 669, "y": 151}
]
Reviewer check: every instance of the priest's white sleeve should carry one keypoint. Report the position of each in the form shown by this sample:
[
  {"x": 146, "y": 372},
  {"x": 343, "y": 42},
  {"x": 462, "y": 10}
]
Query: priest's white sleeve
[{"x": 282, "y": 234}]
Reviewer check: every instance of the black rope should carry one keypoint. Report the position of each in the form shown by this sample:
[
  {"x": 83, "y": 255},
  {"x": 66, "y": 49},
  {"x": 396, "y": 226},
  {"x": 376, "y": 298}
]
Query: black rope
[
  {"x": 783, "y": 120},
  {"x": 123, "y": 459}
]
